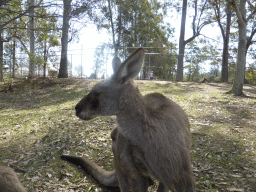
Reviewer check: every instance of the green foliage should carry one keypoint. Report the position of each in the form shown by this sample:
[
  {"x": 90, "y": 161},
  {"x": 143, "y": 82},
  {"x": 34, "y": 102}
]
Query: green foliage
[
  {"x": 250, "y": 74},
  {"x": 136, "y": 23},
  {"x": 195, "y": 56},
  {"x": 161, "y": 60}
]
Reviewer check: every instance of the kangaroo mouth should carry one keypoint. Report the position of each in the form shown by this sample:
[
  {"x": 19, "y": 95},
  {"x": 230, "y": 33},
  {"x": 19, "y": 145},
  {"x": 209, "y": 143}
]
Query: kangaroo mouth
[{"x": 83, "y": 116}]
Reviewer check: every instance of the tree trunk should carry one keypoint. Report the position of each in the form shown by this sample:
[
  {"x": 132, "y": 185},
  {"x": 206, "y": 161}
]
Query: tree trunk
[
  {"x": 31, "y": 41},
  {"x": 13, "y": 59},
  {"x": 179, "y": 76},
  {"x": 112, "y": 27},
  {"x": 45, "y": 60},
  {"x": 237, "y": 88},
  {"x": 1, "y": 57},
  {"x": 63, "y": 71},
  {"x": 224, "y": 72}
]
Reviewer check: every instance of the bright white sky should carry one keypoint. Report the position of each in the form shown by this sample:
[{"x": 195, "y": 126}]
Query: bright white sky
[{"x": 83, "y": 51}]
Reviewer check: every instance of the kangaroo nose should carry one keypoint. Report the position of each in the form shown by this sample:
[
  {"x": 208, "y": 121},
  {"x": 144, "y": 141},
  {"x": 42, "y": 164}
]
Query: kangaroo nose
[{"x": 78, "y": 109}]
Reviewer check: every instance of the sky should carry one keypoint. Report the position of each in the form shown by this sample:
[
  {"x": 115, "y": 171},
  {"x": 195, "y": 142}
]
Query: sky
[{"x": 83, "y": 51}]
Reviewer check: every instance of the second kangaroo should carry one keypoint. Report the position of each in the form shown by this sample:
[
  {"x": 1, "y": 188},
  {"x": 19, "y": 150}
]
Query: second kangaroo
[{"x": 152, "y": 139}]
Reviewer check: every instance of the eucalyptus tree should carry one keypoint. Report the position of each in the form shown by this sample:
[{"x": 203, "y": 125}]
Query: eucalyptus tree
[
  {"x": 47, "y": 34},
  {"x": 71, "y": 10},
  {"x": 200, "y": 19},
  {"x": 63, "y": 70},
  {"x": 251, "y": 31},
  {"x": 134, "y": 23},
  {"x": 243, "y": 17},
  {"x": 13, "y": 14},
  {"x": 100, "y": 59},
  {"x": 195, "y": 56},
  {"x": 31, "y": 28},
  {"x": 10, "y": 12},
  {"x": 161, "y": 60},
  {"x": 223, "y": 14}
]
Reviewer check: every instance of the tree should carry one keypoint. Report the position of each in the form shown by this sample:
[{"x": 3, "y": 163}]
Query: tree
[
  {"x": 196, "y": 32},
  {"x": 31, "y": 40},
  {"x": 195, "y": 57},
  {"x": 161, "y": 60},
  {"x": 63, "y": 71},
  {"x": 47, "y": 34},
  {"x": 100, "y": 59},
  {"x": 239, "y": 8},
  {"x": 7, "y": 16},
  {"x": 252, "y": 26},
  {"x": 179, "y": 76},
  {"x": 12, "y": 13},
  {"x": 134, "y": 23},
  {"x": 80, "y": 8},
  {"x": 225, "y": 32}
]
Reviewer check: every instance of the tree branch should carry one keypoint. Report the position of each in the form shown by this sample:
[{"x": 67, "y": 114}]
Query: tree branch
[
  {"x": 252, "y": 13},
  {"x": 249, "y": 40},
  {"x": 202, "y": 10},
  {"x": 235, "y": 5},
  {"x": 22, "y": 43},
  {"x": 18, "y": 16},
  {"x": 217, "y": 13},
  {"x": 194, "y": 19}
]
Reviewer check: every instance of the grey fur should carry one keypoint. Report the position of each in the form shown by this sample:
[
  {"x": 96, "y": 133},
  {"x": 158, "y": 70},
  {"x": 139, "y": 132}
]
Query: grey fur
[
  {"x": 9, "y": 181},
  {"x": 152, "y": 138}
]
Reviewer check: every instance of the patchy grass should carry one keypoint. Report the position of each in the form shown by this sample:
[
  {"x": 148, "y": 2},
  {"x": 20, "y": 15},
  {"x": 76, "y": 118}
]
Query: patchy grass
[{"x": 38, "y": 124}]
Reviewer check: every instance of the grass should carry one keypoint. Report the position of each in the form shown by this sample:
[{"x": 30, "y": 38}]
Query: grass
[{"x": 38, "y": 124}]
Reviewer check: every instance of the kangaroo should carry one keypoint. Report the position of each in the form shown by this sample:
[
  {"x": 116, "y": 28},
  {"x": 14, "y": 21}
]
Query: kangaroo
[
  {"x": 9, "y": 181},
  {"x": 152, "y": 139}
]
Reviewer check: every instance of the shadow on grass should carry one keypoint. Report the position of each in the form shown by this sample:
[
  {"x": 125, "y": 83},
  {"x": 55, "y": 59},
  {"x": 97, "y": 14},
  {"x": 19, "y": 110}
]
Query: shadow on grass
[
  {"x": 250, "y": 88},
  {"x": 38, "y": 97},
  {"x": 37, "y": 153},
  {"x": 221, "y": 163}
]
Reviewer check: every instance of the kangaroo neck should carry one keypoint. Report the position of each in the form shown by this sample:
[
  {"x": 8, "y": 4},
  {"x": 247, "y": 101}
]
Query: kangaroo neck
[{"x": 132, "y": 114}]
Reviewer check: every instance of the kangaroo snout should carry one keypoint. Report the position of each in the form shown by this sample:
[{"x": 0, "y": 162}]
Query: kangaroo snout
[{"x": 78, "y": 109}]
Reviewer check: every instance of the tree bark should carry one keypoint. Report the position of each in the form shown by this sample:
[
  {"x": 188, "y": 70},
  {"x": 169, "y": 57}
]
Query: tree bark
[
  {"x": 31, "y": 41},
  {"x": 237, "y": 88},
  {"x": 14, "y": 59},
  {"x": 179, "y": 76},
  {"x": 113, "y": 29},
  {"x": 45, "y": 59},
  {"x": 1, "y": 57},
  {"x": 224, "y": 71},
  {"x": 63, "y": 70}
]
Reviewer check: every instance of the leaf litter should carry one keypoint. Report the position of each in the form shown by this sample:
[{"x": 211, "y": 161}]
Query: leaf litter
[{"x": 38, "y": 125}]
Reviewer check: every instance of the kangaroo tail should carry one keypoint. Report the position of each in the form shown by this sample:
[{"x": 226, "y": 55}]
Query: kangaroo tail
[{"x": 106, "y": 178}]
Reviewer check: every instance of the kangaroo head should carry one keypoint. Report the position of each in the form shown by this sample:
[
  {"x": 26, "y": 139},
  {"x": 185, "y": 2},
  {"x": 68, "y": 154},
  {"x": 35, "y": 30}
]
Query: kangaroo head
[{"x": 103, "y": 100}]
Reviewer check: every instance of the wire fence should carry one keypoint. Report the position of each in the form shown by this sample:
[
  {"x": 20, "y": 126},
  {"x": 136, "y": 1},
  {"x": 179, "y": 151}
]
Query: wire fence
[{"x": 162, "y": 64}]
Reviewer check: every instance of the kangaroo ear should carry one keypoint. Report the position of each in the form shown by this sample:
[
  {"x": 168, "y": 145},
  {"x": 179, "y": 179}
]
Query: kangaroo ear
[
  {"x": 131, "y": 67},
  {"x": 116, "y": 62}
]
